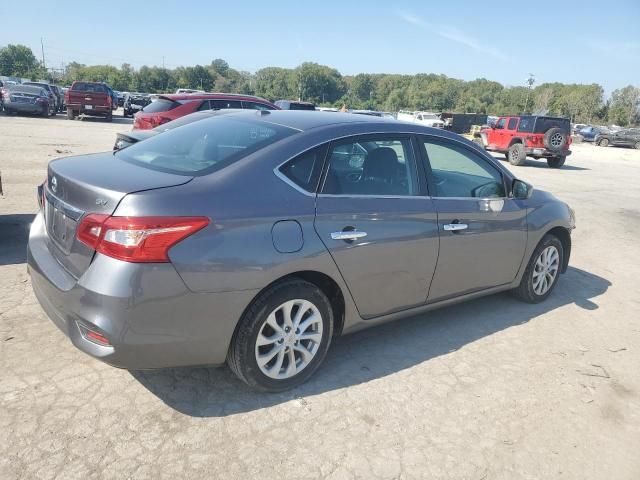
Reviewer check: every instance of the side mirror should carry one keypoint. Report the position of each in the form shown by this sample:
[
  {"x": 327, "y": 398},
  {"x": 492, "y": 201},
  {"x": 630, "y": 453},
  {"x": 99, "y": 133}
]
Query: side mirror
[{"x": 521, "y": 190}]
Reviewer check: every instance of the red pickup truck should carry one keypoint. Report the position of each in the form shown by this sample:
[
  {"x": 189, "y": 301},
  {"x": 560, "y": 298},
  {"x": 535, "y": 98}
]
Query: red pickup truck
[{"x": 89, "y": 98}]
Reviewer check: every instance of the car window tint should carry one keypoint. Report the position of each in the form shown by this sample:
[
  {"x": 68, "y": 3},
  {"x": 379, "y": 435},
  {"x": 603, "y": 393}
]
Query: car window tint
[
  {"x": 222, "y": 104},
  {"x": 375, "y": 166},
  {"x": 160, "y": 105},
  {"x": 204, "y": 105},
  {"x": 501, "y": 123},
  {"x": 304, "y": 170},
  {"x": 512, "y": 123},
  {"x": 458, "y": 172},
  {"x": 205, "y": 146},
  {"x": 255, "y": 106}
]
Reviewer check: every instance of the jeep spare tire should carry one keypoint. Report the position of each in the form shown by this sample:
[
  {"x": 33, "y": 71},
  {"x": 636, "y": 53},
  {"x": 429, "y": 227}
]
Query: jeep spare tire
[{"x": 555, "y": 139}]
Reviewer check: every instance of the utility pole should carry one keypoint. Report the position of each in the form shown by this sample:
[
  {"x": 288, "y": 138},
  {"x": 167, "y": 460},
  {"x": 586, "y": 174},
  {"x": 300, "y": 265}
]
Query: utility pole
[
  {"x": 530, "y": 81},
  {"x": 44, "y": 66},
  {"x": 163, "y": 62}
]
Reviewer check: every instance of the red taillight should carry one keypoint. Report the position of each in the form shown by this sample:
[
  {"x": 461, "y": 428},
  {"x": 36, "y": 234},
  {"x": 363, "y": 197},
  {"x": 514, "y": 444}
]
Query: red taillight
[{"x": 137, "y": 239}]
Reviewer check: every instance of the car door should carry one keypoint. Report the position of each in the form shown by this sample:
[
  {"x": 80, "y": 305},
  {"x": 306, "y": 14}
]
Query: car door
[
  {"x": 499, "y": 136},
  {"x": 374, "y": 217},
  {"x": 483, "y": 232}
]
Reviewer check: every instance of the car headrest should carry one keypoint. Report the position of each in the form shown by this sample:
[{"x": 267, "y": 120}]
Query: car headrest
[{"x": 381, "y": 163}]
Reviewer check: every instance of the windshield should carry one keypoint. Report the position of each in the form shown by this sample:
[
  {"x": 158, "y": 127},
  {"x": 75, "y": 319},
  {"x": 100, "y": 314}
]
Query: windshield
[{"x": 205, "y": 146}]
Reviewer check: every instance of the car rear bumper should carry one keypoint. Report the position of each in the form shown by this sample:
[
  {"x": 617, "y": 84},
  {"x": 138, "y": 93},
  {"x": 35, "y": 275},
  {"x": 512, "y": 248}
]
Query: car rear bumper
[
  {"x": 98, "y": 110},
  {"x": 149, "y": 317},
  {"x": 26, "y": 107},
  {"x": 543, "y": 152}
]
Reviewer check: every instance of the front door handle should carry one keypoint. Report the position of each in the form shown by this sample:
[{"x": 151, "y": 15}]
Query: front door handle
[
  {"x": 455, "y": 227},
  {"x": 348, "y": 235}
]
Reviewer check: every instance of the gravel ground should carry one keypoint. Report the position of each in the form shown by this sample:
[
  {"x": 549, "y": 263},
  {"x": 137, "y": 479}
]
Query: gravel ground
[{"x": 491, "y": 389}]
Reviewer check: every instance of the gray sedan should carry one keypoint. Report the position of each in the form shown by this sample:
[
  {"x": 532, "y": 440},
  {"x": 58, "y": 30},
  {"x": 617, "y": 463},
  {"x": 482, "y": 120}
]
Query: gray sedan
[{"x": 254, "y": 238}]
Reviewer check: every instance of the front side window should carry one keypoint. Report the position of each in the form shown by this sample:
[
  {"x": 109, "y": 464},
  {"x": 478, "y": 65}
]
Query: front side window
[
  {"x": 501, "y": 123},
  {"x": 512, "y": 123},
  {"x": 458, "y": 172},
  {"x": 375, "y": 166},
  {"x": 205, "y": 146}
]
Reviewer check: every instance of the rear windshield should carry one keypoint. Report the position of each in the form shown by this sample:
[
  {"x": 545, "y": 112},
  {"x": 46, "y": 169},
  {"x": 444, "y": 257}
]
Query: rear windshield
[
  {"x": 160, "y": 105},
  {"x": 205, "y": 146},
  {"x": 46, "y": 86},
  {"x": 25, "y": 89},
  {"x": 530, "y": 124},
  {"x": 88, "y": 87}
]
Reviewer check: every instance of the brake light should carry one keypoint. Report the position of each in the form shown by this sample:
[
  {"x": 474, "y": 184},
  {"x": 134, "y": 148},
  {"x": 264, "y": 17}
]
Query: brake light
[{"x": 137, "y": 239}]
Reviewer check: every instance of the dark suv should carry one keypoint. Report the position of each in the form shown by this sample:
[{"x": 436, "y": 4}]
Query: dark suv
[
  {"x": 629, "y": 137},
  {"x": 529, "y": 135}
]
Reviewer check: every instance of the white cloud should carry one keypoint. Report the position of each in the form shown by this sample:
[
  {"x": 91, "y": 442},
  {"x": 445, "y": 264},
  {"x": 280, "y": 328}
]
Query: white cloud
[{"x": 454, "y": 34}]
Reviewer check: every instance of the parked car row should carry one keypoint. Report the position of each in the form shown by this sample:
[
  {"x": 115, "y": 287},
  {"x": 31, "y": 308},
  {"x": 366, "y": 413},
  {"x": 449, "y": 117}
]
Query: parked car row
[{"x": 17, "y": 98}]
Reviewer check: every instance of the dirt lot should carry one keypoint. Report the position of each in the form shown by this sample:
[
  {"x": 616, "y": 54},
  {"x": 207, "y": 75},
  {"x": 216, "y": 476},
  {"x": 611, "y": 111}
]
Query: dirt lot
[{"x": 491, "y": 389}]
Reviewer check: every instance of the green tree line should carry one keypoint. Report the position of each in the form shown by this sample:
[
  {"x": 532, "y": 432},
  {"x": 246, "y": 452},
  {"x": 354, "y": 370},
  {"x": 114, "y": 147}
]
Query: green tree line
[{"x": 323, "y": 85}]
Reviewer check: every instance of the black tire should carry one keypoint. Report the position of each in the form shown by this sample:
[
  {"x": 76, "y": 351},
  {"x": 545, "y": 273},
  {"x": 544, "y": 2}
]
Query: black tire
[
  {"x": 604, "y": 142},
  {"x": 45, "y": 112},
  {"x": 525, "y": 291},
  {"x": 637, "y": 146},
  {"x": 241, "y": 357},
  {"x": 110, "y": 117},
  {"x": 516, "y": 154},
  {"x": 71, "y": 115},
  {"x": 555, "y": 140},
  {"x": 556, "y": 162}
]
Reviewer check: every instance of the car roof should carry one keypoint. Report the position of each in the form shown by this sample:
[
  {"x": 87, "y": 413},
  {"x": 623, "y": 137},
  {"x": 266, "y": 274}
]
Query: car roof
[{"x": 304, "y": 120}]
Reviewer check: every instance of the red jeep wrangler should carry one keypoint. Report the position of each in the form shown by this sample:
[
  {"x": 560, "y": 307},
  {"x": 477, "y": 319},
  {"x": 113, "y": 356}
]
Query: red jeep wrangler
[{"x": 529, "y": 135}]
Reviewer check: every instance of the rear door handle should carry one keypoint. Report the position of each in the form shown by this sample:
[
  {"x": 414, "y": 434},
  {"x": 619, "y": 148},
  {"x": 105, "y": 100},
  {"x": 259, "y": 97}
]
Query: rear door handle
[
  {"x": 348, "y": 235},
  {"x": 455, "y": 227}
]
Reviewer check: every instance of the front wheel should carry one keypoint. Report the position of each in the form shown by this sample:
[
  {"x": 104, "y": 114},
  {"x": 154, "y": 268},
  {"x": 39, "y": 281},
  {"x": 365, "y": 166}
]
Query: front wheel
[
  {"x": 541, "y": 275},
  {"x": 516, "y": 154},
  {"x": 637, "y": 146},
  {"x": 283, "y": 336},
  {"x": 556, "y": 162},
  {"x": 604, "y": 142}
]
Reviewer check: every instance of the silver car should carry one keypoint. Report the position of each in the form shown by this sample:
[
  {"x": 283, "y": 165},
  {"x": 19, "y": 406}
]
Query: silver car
[{"x": 254, "y": 238}]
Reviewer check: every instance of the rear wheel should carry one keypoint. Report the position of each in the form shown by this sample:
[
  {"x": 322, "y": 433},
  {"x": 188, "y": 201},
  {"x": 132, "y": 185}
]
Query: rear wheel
[
  {"x": 282, "y": 337},
  {"x": 70, "y": 114},
  {"x": 556, "y": 162},
  {"x": 604, "y": 142},
  {"x": 110, "y": 117},
  {"x": 637, "y": 146},
  {"x": 516, "y": 154},
  {"x": 541, "y": 274}
]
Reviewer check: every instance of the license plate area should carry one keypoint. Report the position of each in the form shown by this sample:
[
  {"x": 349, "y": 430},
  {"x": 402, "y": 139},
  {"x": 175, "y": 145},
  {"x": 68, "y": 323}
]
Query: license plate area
[
  {"x": 61, "y": 221},
  {"x": 88, "y": 107}
]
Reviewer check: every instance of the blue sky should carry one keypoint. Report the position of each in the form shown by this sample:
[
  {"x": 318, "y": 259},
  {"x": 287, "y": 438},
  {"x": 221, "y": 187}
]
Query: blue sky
[{"x": 566, "y": 41}]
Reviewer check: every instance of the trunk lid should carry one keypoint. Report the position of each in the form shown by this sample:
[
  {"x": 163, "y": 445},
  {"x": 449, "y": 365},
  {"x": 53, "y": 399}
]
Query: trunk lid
[{"x": 90, "y": 184}]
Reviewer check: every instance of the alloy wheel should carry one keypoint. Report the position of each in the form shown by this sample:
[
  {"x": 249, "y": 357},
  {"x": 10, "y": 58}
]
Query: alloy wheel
[
  {"x": 289, "y": 339},
  {"x": 556, "y": 140},
  {"x": 546, "y": 270}
]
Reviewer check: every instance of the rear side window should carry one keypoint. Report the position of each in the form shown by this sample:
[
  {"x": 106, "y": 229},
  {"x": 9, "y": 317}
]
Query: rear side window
[
  {"x": 160, "y": 105},
  {"x": 222, "y": 104},
  {"x": 205, "y": 146},
  {"x": 88, "y": 87},
  {"x": 304, "y": 170},
  {"x": 256, "y": 106}
]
